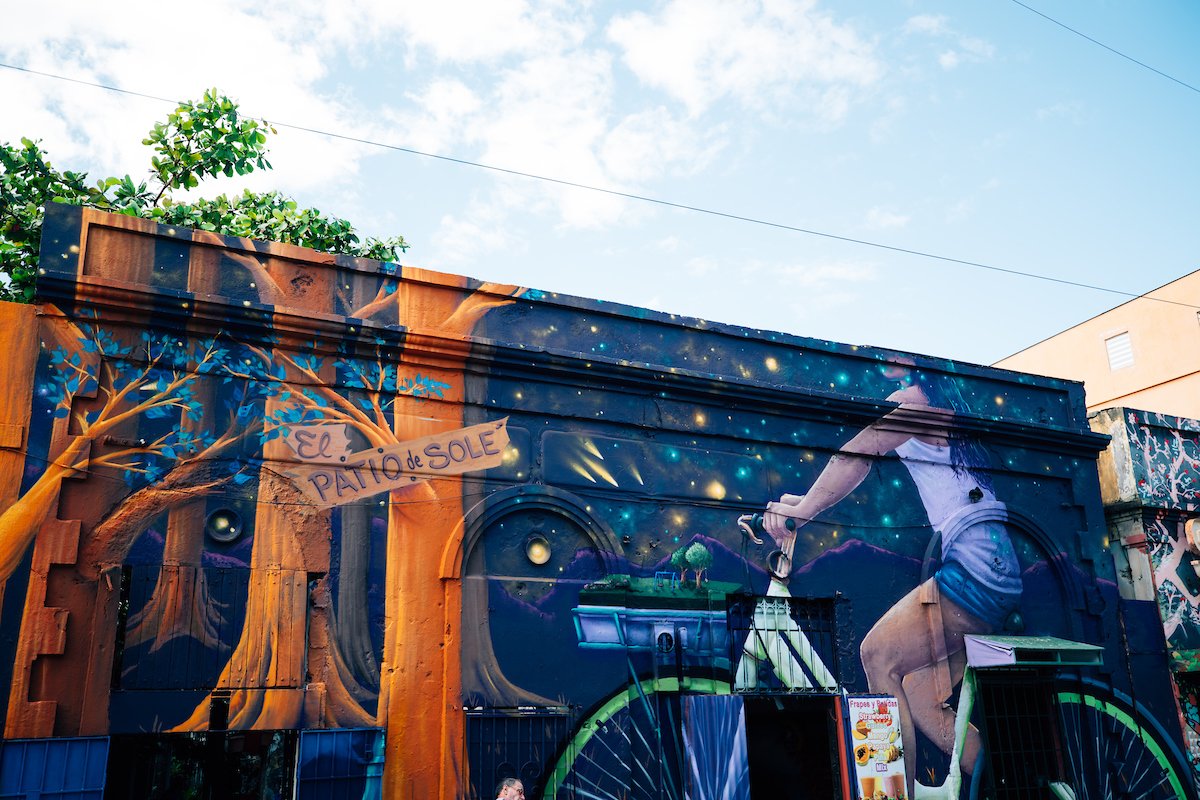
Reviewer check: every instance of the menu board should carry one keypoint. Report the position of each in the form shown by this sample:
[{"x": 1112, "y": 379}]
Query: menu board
[{"x": 878, "y": 748}]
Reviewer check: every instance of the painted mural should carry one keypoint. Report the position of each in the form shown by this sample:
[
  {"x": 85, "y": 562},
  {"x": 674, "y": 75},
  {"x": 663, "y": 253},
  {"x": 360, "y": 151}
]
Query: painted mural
[
  {"x": 1164, "y": 455},
  {"x": 486, "y": 532},
  {"x": 1156, "y": 464}
]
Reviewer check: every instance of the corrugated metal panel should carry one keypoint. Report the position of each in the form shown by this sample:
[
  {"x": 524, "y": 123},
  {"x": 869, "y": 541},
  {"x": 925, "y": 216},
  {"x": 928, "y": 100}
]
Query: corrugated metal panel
[
  {"x": 340, "y": 765},
  {"x": 63, "y": 769},
  {"x": 289, "y": 589},
  {"x": 184, "y": 623}
]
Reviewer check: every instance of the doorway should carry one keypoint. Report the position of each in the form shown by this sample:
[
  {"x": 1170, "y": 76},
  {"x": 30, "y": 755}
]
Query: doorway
[
  {"x": 792, "y": 743},
  {"x": 221, "y": 765}
]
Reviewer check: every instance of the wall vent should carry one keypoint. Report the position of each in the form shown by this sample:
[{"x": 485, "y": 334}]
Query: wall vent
[{"x": 1120, "y": 351}]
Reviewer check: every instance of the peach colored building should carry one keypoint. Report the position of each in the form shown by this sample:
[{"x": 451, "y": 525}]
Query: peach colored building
[
  {"x": 1145, "y": 354},
  {"x": 1142, "y": 354}
]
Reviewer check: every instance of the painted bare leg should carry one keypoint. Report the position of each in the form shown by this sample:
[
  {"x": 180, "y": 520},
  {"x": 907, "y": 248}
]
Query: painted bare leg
[
  {"x": 880, "y": 656},
  {"x": 951, "y": 787},
  {"x": 936, "y": 719}
]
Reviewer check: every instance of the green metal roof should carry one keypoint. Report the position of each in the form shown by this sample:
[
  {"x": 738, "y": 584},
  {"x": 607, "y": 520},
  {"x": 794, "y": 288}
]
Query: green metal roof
[{"x": 1017, "y": 651}]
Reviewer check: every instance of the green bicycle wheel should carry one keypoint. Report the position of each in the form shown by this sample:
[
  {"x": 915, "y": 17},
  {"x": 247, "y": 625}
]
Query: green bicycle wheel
[
  {"x": 1113, "y": 751},
  {"x": 630, "y": 747}
]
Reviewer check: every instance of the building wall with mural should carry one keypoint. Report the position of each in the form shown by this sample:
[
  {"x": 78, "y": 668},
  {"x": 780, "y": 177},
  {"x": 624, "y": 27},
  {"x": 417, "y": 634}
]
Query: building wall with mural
[
  {"x": 1150, "y": 477},
  {"x": 273, "y": 510}
]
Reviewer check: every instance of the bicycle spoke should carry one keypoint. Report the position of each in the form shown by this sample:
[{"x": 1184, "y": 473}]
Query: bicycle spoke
[
  {"x": 664, "y": 766},
  {"x": 579, "y": 790},
  {"x": 596, "y": 765},
  {"x": 1113, "y": 756},
  {"x": 1074, "y": 751}
]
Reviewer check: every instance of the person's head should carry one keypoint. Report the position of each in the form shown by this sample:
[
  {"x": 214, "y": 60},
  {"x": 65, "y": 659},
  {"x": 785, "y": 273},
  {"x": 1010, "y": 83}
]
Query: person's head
[
  {"x": 510, "y": 789},
  {"x": 898, "y": 368}
]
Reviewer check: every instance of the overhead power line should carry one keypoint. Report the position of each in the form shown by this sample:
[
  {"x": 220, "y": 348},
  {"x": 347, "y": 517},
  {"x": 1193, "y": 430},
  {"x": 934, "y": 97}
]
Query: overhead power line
[
  {"x": 638, "y": 197},
  {"x": 1112, "y": 50}
]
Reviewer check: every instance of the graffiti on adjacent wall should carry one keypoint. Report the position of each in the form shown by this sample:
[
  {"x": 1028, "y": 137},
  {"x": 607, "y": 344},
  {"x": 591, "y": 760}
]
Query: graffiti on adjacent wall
[
  {"x": 1165, "y": 456},
  {"x": 1165, "y": 452}
]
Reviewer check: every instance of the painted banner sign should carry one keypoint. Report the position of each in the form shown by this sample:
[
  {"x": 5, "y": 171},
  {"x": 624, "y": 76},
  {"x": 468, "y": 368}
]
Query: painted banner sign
[
  {"x": 331, "y": 475},
  {"x": 878, "y": 748}
]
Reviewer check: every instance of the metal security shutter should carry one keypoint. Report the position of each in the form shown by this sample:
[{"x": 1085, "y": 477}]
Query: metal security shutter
[
  {"x": 340, "y": 764},
  {"x": 55, "y": 769}
]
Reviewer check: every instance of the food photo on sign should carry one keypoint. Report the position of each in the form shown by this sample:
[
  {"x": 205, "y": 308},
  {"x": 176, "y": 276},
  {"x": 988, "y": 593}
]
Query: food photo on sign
[{"x": 878, "y": 747}]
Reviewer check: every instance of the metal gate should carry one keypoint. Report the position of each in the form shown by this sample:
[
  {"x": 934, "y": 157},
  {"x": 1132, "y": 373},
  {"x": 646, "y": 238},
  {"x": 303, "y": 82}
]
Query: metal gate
[
  {"x": 513, "y": 743},
  {"x": 787, "y": 644}
]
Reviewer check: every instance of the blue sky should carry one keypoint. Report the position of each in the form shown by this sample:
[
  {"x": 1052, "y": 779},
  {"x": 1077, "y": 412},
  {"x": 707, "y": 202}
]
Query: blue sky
[{"x": 978, "y": 131}]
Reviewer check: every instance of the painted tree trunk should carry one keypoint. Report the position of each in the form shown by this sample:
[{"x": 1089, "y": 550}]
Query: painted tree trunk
[
  {"x": 69, "y": 620},
  {"x": 180, "y": 604},
  {"x": 353, "y": 621},
  {"x": 266, "y": 671}
]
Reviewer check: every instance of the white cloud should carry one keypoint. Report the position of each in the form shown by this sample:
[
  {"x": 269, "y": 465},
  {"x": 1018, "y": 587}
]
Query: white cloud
[
  {"x": 960, "y": 210},
  {"x": 548, "y": 116},
  {"x": 969, "y": 49},
  {"x": 881, "y": 219},
  {"x": 823, "y": 276},
  {"x": 527, "y": 85},
  {"x": 268, "y": 65},
  {"x": 963, "y": 47},
  {"x": 701, "y": 266},
  {"x": 978, "y": 49},
  {"x": 883, "y": 125},
  {"x": 1072, "y": 112},
  {"x": 776, "y": 51},
  {"x": 462, "y": 240},
  {"x": 652, "y": 142},
  {"x": 436, "y": 118},
  {"x": 554, "y": 115},
  {"x": 926, "y": 23},
  {"x": 811, "y": 290},
  {"x": 468, "y": 31}
]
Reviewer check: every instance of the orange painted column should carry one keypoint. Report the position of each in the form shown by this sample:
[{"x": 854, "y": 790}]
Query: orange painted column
[
  {"x": 421, "y": 684},
  {"x": 18, "y": 342}
]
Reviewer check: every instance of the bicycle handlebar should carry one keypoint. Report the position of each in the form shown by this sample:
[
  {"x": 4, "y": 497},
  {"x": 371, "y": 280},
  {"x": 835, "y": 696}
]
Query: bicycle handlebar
[{"x": 752, "y": 525}]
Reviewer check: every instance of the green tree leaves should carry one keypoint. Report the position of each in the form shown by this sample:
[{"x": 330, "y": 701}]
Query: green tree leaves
[
  {"x": 699, "y": 559},
  {"x": 203, "y": 140},
  {"x": 27, "y": 182},
  {"x": 198, "y": 141}
]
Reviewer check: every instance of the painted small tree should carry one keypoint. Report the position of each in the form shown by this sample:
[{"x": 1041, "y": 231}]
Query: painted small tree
[
  {"x": 699, "y": 559},
  {"x": 680, "y": 563}
]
